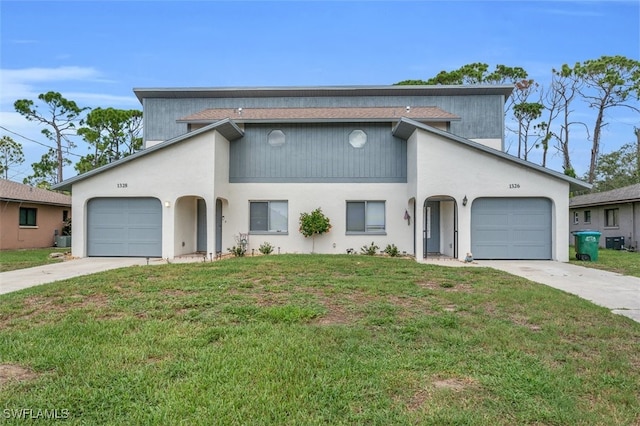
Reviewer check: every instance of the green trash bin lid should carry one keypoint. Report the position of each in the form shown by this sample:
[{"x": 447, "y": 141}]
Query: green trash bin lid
[{"x": 585, "y": 233}]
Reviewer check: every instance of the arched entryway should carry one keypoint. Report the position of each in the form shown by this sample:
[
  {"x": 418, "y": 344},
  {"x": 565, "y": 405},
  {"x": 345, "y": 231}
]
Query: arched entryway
[
  {"x": 190, "y": 225},
  {"x": 440, "y": 227}
]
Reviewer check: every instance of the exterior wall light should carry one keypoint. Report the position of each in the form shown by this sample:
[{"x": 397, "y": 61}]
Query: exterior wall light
[
  {"x": 464, "y": 201},
  {"x": 167, "y": 204}
]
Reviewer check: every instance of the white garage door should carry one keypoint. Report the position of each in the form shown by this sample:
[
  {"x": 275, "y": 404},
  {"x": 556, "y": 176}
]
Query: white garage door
[
  {"x": 511, "y": 228},
  {"x": 124, "y": 227}
]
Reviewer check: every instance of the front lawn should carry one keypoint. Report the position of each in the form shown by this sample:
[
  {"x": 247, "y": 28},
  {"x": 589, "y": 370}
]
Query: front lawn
[
  {"x": 315, "y": 339},
  {"x": 28, "y": 258},
  {"x": 620, "y": 261}
]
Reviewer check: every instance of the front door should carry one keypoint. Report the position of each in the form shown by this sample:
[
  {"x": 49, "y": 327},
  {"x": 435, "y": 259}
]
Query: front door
[
  {"x": 432, "y": 227},
  {"x": 218, "y": 226},
  {"x": 201, "y": 244}
]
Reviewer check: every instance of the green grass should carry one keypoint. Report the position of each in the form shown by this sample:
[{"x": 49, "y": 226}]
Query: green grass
[
  {"x": 20, "y": 259},
  {"x": 622, "y": 262},
  {"x": 314, "y": 339}
]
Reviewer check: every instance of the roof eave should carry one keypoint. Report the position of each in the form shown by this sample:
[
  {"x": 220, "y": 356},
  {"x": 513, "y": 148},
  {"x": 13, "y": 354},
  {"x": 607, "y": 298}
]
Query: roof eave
[
  {"x": 604, "y": 203},
  {"x": 323, "y": 120},
  {"x": 322, "y": 91},
  {"x": 21, "y": 200}
]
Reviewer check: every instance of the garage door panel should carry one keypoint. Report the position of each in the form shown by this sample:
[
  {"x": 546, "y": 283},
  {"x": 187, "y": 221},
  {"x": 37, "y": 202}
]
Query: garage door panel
[
  {"x": 511, "y": 228},
  {"x": 124, "y": 227},
  {"x": 488, "y": 236}
]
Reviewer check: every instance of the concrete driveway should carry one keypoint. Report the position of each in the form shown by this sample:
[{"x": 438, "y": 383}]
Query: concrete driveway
[
  {"x": 620, "y": 293},
  {"x": 29, "y": 277}
]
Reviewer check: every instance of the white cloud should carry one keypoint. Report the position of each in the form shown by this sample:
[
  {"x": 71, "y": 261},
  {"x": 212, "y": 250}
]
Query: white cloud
[
  {"x": 19, "y": 83},
  {"x": 103, "y": 100},
  {"x": 27, "y": 83}
]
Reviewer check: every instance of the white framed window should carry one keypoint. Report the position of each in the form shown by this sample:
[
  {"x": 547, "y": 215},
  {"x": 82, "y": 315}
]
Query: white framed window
[
  {"x": 268, "y": 217},
  {"x": 587, "y": 216},
  {"x": 366, "y": 217},
  {"x": 576, "y": 218}
]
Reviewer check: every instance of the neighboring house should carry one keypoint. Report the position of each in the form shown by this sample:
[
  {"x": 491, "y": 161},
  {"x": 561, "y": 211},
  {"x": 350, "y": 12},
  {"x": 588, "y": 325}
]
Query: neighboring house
[
  {"x": 615, "y": 213},
  {"x": 30, "y": 217},
  {"x": 421, "y": 167}
]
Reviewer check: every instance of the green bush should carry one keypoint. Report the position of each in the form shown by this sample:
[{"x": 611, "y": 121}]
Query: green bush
[
  {"x": 265, "y": 248},
  {"x": 370, "y": 250},
  {"x": 314, "y": 223},
  {"x": 392, "y": 250},
  {"x": 237, "y": 251}
]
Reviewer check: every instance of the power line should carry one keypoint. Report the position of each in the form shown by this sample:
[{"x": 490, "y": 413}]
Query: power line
[{"x": 35, "y": 141}]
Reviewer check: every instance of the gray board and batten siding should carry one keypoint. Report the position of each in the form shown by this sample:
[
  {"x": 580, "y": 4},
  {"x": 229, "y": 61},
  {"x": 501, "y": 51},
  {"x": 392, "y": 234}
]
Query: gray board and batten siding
[
  {"x": 482, "y": 116},
  {"x": 318, "y": 152}
]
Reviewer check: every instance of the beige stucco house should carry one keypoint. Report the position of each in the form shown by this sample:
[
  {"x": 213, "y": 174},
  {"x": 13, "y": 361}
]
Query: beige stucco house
[{"x": 421, "y": 167}]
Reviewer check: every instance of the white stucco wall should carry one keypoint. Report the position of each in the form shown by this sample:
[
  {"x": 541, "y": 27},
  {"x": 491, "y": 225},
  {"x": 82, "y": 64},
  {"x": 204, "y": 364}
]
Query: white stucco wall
[
  {"x": 184, "y": 169},
  {"x": 437, "y": 167},
  {"x": 448, "y": 168},
  {"x": 491, "y": 143},
  {"x": 332, "y": 198}
]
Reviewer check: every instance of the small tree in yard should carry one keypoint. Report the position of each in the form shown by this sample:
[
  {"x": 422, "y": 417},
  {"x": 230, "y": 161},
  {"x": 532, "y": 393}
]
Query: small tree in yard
[{"x": 314, "y": 223}]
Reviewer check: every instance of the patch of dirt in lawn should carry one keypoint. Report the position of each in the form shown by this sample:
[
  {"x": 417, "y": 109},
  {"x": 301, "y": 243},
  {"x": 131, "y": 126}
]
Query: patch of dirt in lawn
[
  {"x": 37, "y": 306},
  {"x": 445, "y": 286},
  {"x": 454, "y": 384},
  {"x": 338, "y": 307},
  {"x": 524, "y": 322},
  {"x": 15, "y": 373}
]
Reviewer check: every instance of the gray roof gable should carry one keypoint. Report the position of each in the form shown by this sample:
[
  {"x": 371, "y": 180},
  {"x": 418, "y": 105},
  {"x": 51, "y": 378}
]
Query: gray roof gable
[
  {"x": 226, "y": 128},
  {"x": 627, "y": 194},
  {"x": 405, "y": 128}
]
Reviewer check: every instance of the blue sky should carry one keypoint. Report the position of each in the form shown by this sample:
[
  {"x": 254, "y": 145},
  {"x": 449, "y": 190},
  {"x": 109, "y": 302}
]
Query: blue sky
[{"x": 96, "y": 52}]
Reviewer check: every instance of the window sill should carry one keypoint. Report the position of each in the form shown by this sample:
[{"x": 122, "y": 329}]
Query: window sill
[
  {"x": 268, "y": 232},
  {"x": 28, "y": 227},
  {"x": 366, "y": 233},
  {"x": 612, "y": 227}
]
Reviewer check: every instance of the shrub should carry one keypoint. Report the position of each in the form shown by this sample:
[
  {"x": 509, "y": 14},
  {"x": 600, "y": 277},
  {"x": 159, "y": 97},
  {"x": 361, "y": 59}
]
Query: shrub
[
  {"x": 265, "y": 248},
  {"x": 392, "y": 250},
  {"x": 237, "y": 251},
  {"x": 314, "y": 223},
  {"x": 370, "y": 250}
]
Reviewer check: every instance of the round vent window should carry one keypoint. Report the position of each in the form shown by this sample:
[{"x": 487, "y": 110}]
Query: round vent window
[
  {"x": 357, "y": 138},
  {"x": 276, "y": 138}
]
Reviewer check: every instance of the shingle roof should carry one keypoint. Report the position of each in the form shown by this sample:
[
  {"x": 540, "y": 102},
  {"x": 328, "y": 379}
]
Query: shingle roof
[
  {"x": 626, "y": 194},
  {"x": 334, "y": 114},
  {"x": 13, "y": 191}
]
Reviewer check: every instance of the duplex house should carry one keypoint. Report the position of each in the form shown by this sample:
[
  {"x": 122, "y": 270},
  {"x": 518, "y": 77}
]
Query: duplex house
[
  {"x": 31, "y": 217},
  {"x": 421, "y": 167},
  {"x": 615, "y": 214}
]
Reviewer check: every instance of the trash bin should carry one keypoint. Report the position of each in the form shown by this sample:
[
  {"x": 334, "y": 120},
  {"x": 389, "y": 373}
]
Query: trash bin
[{"x": 587, "y": 243}]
